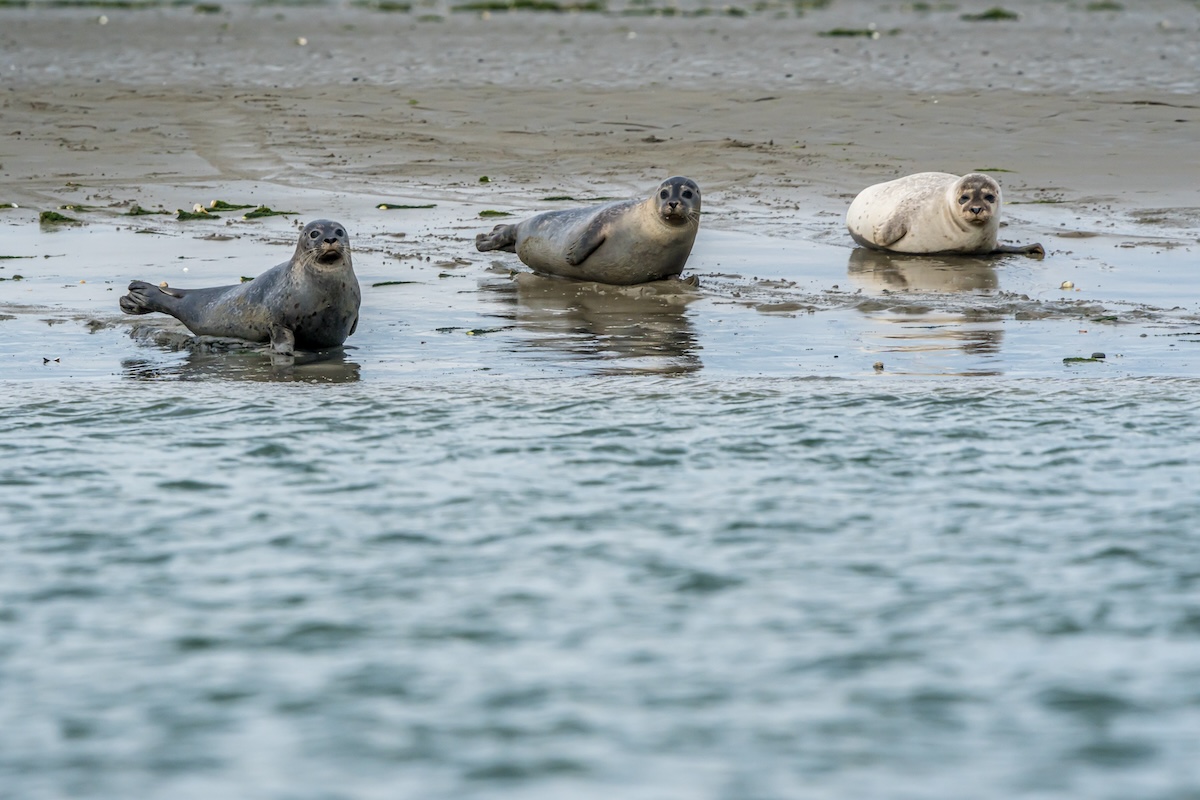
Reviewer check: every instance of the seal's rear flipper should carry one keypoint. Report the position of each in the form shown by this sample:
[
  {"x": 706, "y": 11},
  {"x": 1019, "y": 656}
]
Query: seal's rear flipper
[
  {"x": 1031, "y": 250},
  {"x": 502, "y": 237},
  {"x": 146, "y": 298}
]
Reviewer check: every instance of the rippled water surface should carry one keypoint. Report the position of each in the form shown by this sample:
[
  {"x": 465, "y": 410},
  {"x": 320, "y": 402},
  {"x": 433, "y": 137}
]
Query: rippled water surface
[{"x": 589, "y": 586}]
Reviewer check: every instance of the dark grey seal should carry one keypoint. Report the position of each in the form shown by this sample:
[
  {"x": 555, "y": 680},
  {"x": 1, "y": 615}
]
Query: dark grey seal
[
  {"x": 309, "y": 302},
  {"x": 626, "y": 242}
]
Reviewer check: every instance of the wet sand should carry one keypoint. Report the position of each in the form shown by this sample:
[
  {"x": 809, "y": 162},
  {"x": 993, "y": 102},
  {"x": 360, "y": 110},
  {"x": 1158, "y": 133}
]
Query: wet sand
[{"x": 1090, "y": 120}]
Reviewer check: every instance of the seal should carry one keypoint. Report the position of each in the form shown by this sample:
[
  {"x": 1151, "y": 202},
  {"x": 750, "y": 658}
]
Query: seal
[
  {"x": 622, "y": 243},
  {"x": 309, "y": 302},
  {"x": 932, "y": 212}
]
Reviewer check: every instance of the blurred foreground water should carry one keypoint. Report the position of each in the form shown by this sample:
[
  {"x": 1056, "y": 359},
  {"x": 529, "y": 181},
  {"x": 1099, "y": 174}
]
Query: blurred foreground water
[{"x": 650, "y": 587}]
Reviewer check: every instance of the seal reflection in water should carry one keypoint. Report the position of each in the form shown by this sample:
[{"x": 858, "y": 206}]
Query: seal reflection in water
[
  {"x": 932, "y": 212},
  {"x": 878, "y": 270},
  {"x": 626, "y": 242},
  {"x": 605, "y": 329},
  {"x": 309, "y": 302}
]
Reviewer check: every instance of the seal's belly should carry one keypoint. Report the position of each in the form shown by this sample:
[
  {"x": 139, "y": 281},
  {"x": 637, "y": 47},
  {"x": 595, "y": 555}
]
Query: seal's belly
[{"x": 933, "y": 234}]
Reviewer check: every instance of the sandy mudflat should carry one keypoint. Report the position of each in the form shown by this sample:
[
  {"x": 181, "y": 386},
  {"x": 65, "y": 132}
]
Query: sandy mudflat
[{"x": 1090, "y": 119}]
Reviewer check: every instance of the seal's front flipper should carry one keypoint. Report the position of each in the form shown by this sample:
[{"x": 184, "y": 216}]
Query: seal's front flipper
[
  {"x": 502, "y": 237},
  {"x": 1031, "y": 250},
  {"x": 146, "y": 298},
  {"x": 283, "y": 341},
  {"x": 890, "y": 232},
  {"x": 587, "y": 243}
]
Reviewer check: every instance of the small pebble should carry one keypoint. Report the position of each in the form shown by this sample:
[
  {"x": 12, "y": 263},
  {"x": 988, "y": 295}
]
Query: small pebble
[
  {"x": 1097, "y": 355},
  {"x": 878, "y": 366},
  {"x": 1067, "y": 285},
  {"x": 301, "y": 41}
]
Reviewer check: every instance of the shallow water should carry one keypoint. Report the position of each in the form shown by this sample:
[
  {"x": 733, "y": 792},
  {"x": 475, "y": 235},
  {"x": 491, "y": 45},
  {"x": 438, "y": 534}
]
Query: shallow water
[
  {"x": 532, "y": 538},
  {"x": 477, "y": 586}
]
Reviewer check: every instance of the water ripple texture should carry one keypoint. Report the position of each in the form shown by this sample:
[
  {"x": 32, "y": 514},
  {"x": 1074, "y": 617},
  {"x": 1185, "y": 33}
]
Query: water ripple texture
[{"x": 600, "y": 587}]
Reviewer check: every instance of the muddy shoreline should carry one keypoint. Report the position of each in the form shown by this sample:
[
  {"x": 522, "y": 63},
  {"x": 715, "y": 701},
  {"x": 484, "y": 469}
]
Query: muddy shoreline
[{"x": 1088, "y": 120}]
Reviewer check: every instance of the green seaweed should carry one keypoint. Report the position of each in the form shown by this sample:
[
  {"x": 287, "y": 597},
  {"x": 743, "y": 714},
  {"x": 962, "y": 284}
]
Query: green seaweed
[
  {"x": 1105, "y": 5},
  {"x": 289, "y": 3},
  {"x": 138, "y": 211},
  {"x": 1081, "y": 360},
  {"x": 120, "y": 4},
  {"x": 484, "y": 179},
  {"x": 483, "y": 331},
  {"x": 10, "y": 258},
  {"x": 244, "y": 279},
  {"x": 14, "y": 278},
  {"x": 993, "y": 169},
  {"x": 991, "y": 15},
  {"x": 868, "y": 33},
  {"x": 390, "y": 283},
  {"x": 391, "y": 206},
  {"x": 390, "y": 6},
  {"x": 566, "y": 198},
  {"x": 529, "y": 5},
  {"x": 8, "y": 205},
  {"x": 221, "y": 205},
  {"x": 263, "y": 211},
  {"x": 487, "y": 212},
  {"x": 55, "y": 218},
  {"x": 208, "y": 8},
  {"x": 189, "y": 215},
  {"x": 451, "y": 329}
]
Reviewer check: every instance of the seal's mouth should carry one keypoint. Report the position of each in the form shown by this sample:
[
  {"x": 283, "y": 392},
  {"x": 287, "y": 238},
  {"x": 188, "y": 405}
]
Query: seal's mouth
[{"x": 329, "y": 253}]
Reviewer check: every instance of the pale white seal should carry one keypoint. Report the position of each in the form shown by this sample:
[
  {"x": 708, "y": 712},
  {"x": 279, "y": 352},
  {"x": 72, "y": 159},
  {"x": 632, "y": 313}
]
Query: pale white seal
[
  {"x": 626, "y": 242},
  {"x": 932, "y": 212}
]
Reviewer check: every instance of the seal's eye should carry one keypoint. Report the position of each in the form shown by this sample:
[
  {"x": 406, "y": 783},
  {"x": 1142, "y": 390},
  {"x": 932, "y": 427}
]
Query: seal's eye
[
  {"x": 339, "y": 233},
  {"x": 314, "y": 234},
  {"x": 663, "y": 194},
  {"x": 964, "y": 198},
  {"x": 687, "y": 193},
  {"x": 991, "y": 198}
]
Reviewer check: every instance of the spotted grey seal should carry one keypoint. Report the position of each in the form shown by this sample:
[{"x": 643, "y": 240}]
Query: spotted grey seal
[
  {"x": 309, "y": 302},
  {"x": 624, "y": 242},
  {"x": 932, "y": 212}
]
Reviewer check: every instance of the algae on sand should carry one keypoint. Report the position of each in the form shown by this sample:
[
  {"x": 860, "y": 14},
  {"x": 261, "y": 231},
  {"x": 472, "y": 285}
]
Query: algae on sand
[
  {"x": 991, "y": 15},
  {"x": 55, "y": 218},
  {"x": 263, "y": 211}
]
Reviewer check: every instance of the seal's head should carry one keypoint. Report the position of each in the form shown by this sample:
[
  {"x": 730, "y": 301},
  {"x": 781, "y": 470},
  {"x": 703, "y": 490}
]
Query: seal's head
[
  {"x": 323, "y": 242},
  {"x": 678, "y": 201},
  {"x": 977, "y": 198}
]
